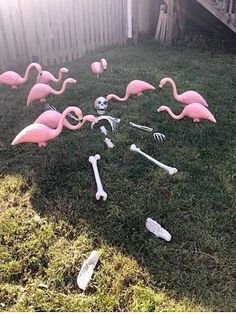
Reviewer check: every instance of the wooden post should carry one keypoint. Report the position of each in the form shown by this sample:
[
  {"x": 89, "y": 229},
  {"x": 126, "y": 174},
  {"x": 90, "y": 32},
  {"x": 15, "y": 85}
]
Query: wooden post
[
  {"x": 170, "y": 21},
  {"x": 135, "y": 21}
]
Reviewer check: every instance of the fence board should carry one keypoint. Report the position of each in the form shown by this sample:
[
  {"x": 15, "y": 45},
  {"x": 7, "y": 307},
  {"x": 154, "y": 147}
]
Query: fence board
[
  {"x": 57, "y": 31},
  {"x": 105, "y": 21},
  {"x": 81, "y": 23},
  {"x": 8, "y": 33}
]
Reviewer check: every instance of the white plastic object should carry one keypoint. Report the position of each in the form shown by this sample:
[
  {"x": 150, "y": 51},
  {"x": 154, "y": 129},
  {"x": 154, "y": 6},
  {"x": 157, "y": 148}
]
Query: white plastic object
[
  {"x": 170, "y": 170},
  {"x": 103, "y": 130},
  {"x": 113, "y": 121},
  {"x": 86, "y": 270},
  {"x": 100, "y": 192},
  {"x": 159, "y": 137},
  {"x": 109, "y": 143},
  {"x": 141, "y": 127},
  {"x": 157, "y": 229}
]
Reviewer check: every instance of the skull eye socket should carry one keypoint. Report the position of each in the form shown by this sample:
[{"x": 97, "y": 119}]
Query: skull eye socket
[
  {"x": 99, "y": 102},
  {"x": 105, "y": 102}
]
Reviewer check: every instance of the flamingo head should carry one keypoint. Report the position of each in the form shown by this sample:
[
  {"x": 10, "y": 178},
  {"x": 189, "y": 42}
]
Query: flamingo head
[
  {"x": 162, "y": 108},
  {"x": 38, "y": 68},
  {"x": 90, "y": 118},
  {"x": 64, "y": 70},
  {"x": 104, "y": 64},
  {"x": 162, "y": 82},
  {"x": 109, "y": 97},
  {"x": 70, "y": 80}
]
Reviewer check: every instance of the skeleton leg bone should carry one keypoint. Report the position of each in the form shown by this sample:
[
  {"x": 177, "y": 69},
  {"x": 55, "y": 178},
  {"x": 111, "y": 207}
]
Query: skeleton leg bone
[
  {"x": 170, "y": 170},
  {"x": 100, "y": 192}
]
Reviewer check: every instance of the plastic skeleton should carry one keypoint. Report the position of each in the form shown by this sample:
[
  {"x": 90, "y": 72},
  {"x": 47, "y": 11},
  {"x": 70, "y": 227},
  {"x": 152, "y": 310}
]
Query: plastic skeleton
[
  {"x": 112, "y": 121},
  {"x": 157, "y": 136}
]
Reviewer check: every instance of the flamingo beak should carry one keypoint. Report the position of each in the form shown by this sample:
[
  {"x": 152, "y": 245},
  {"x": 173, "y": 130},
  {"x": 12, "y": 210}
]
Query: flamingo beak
[
  {"x": 160, "y": 86},
  {"x": 158, "y": 110}
]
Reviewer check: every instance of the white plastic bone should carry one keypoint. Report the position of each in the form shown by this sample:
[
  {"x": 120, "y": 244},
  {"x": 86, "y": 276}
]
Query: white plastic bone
[
  {"x": 141, "y": 127},
  {"x": 100, "y": 192},
  {"x": 159, "y": 137},
  {"x": 103, "y": 130},
  {"x": 157, "y": 229},
  {"x": 86, "y": 270},
  {"x": 109, "y": 143},
  {"x": 170, "y": 170}
]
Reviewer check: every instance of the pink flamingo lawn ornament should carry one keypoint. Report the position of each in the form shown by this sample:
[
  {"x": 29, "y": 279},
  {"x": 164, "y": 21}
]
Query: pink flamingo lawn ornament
[
  {"x": 46, "y": 77},
  {"x": 98, "y": 67},
  {"x": 14, "y": 79},
  {"x": 51, "y": 118},
  {"x": 186, "y": 98},
  {"x": 135, "y": 87},
  {"x": 40, "y": 133},
  {"x": 40, "y": 91},
  {"x": 195, "y": 111}
]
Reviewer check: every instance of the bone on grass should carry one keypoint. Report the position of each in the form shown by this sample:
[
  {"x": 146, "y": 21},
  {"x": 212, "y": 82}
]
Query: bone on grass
[{"x": 100, "y": 192}]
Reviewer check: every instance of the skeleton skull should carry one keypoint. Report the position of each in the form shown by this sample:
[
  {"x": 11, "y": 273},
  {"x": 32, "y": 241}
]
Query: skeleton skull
[{"x": 101, "y": 105}]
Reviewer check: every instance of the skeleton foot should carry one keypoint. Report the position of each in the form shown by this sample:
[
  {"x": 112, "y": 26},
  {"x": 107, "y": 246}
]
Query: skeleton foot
[
  {"x": 157, "y": 229},
  {"x": 86, "y": 270}
]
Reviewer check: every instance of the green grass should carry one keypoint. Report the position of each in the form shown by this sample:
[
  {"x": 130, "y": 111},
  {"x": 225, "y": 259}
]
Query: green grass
[{"x": 50, "y": 220}]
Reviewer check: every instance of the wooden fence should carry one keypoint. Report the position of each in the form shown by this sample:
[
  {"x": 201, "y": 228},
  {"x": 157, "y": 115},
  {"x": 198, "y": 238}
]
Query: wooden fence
[{"x": 57, "y": 31}]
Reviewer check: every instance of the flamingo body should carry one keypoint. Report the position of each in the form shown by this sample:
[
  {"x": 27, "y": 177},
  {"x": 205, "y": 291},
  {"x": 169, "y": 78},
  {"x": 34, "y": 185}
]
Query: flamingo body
[
  {"x": 98, "y": 67},
  {"x": 46, "y": 77},
  {"x": 40, "y": 133},
  {"x": 185, "y": 98},
  {"x": 51, "y": 118},
  {"x": 34, "y": 133},
  {"x": 40, "y": 91},
  {"x": 135, "y": 87},
  {"x": 14, "y": 79},
  {"x": 195, "y": 111}
]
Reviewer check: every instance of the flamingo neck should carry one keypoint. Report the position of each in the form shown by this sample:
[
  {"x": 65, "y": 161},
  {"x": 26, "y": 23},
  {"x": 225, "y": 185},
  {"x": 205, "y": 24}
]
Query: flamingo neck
[
  {"x": 59, "y": 128},
  {"x": 174, "y": 89},
  {"x": 59, "y": 76},
  {"x": 174, "y": 116},
  {"x": 26, "y": 76},
  {"x": 119, "y": 98},
  {"x": 87, "y": 118},
  {"x": 55, "y": 92}
]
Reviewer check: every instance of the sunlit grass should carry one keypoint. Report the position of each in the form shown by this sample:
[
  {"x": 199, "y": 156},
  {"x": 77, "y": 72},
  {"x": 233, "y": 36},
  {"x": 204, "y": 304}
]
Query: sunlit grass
[{"x": 50, "y": 220}]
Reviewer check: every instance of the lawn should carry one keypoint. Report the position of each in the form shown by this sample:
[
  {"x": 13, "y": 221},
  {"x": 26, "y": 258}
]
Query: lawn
[{"x": 51, "y": 221}]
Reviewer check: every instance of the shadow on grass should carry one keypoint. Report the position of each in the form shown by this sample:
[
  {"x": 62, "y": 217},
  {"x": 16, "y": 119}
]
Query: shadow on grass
[{"x": 196, "y": 205}]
